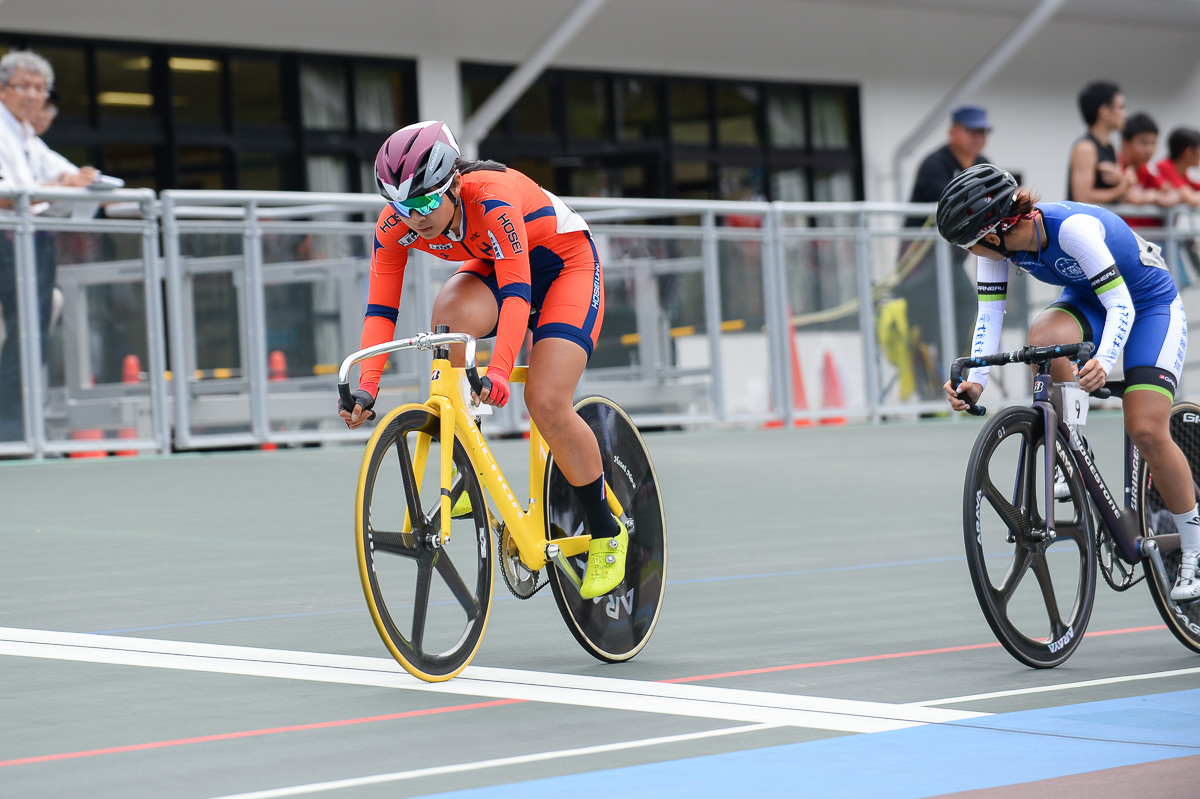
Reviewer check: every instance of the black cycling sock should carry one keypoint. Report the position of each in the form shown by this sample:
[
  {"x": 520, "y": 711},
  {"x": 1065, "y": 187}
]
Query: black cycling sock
[{"x": 600, "y": 521}]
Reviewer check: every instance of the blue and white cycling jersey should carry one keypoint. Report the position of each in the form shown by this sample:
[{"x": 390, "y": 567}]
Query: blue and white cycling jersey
[{"x": 1111, "y": 277}]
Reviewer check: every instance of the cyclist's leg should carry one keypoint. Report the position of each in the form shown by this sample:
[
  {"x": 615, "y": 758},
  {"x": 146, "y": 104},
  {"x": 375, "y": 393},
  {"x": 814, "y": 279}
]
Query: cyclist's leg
[
  {"x": 568, "y": 323},
  {"x": 1069, "y": 319},
  {"x": 1153, "y": 359},
  {"x": 469, "y": 302}
]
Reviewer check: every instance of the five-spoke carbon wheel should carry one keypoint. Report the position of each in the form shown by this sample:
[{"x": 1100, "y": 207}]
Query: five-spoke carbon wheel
[
  {"x": 616, "y": 626},
  {"x": 1036, "y": 591},
  {"x": 429, "y": 599}
]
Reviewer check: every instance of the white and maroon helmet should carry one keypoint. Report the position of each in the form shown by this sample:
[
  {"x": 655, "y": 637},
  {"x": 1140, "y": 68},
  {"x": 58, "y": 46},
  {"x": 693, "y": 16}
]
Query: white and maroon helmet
[{"x": 418, "y": 159}]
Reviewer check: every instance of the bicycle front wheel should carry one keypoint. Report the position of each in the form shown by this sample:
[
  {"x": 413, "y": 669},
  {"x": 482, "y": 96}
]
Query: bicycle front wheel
[
  {"x": 1035, "y": 591},
  {"x": 429, "y": 599},
  {"x": 616, "y": 626},
  {"x": 1183, "y": 620}
]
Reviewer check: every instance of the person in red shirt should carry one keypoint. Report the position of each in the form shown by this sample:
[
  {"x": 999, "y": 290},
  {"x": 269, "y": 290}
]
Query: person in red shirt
[
  {"x": 1183, "y": 147},
  {"x": 528, "y": 263},
  {"x": 1139, "y": 141}
]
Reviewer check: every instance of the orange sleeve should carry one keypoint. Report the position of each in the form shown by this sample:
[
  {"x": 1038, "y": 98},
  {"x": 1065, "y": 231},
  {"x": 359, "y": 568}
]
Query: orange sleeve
[
  {"x": 383, "y": 305},
  {"x": 509, "y": 242}
]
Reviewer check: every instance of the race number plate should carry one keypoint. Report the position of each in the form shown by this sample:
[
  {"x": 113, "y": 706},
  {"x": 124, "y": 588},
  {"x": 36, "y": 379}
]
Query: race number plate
[{"x": 1074, "y": 405}]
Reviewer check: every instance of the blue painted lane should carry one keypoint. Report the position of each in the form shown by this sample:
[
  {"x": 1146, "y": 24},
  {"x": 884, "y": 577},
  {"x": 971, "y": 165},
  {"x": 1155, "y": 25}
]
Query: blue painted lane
[{"x": 988, "y": 752}]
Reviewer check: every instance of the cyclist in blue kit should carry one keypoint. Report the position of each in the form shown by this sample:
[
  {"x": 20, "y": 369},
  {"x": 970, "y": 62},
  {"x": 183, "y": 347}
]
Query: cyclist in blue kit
[{"x": 1117, "y": 293}]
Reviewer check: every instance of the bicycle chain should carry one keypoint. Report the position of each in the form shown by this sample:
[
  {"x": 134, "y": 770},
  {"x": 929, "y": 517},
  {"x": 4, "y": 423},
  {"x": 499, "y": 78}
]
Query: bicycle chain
[
  {"x": 1104, "y": 541},
  {"x": 504, "y": 558}
]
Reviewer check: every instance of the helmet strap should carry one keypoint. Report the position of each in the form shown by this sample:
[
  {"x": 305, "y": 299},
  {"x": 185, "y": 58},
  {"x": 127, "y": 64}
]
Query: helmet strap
[{"x": 448, "y": 233}]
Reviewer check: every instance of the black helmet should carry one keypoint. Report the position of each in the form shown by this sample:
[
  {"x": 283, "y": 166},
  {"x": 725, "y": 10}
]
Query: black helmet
[{"x": 974, "y": 202}]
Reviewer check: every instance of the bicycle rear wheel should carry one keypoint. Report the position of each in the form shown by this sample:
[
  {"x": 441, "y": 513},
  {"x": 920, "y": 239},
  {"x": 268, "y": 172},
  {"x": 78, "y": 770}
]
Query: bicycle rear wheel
[
  {"x": 1036, "y": 592},
  {"x": 429, "y": 600},
  {"x": 1182, "y": 620},
  {"x": 616, "y": 626}
]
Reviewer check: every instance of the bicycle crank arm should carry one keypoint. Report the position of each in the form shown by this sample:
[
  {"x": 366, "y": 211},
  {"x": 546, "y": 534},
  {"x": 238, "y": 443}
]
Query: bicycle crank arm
[
  {"x": 1151, "y": 552},
  {"x": 555, "y": 554}
]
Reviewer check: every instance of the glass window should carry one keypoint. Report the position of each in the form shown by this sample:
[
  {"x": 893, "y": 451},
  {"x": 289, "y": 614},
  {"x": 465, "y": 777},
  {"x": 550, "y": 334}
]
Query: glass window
[
  {"x": 136, "y": 164},
  {"x": 478, "y": 83},
  {"x": 693, "y": 180},
  {"x": 540, "y": 172},
  {"x": 257, "y": 91},
  {"x": 833, "y": 186},
  {"x": 639, "y": 109},
  {"x": 123, "y": 84},
  {"x": 790, "y": 186},
  {"x": 378, "y": 98},
  {"x": 203, "y": 168},
  {"x": 785, "y": 116},
  {"x": 70, "y": 80},
  {"x": 533, "y": 115},
  {"x": 737, "y": 109},
  {"x": 198, "y": 85},
  {"x": 327, "y": 173},
  {"x": 587, "y": 107},
  {"x": 323, "y": 97},
  {"x": 689, "y": 113},
  {"x": 831, "y": 120},
  {"x": 259, "y": 171}
]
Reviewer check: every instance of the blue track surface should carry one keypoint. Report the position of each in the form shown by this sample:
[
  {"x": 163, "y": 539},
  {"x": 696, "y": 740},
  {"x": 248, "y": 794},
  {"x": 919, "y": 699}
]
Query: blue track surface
[{"x": 924, "y": 761}]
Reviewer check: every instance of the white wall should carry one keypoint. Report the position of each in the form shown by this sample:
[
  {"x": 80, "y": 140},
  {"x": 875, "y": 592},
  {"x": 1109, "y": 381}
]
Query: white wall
[{"x": 905, "y": 58}]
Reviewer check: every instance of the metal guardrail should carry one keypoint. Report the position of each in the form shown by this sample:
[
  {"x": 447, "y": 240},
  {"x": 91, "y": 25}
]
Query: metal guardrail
[{"x": 735, "y": 307}]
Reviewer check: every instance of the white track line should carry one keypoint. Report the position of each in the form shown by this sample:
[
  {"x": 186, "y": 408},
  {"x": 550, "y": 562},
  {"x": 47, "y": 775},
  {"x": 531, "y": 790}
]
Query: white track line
[
  {"x": 1041, "y": 689},
  {"x": 696, "y": 701},
  {"x": 355, "y": 782}
]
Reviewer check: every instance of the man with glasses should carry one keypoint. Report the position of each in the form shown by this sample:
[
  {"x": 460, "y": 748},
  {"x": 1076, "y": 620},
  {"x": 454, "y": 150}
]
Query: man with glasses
[{"x": 25, "y": 163}]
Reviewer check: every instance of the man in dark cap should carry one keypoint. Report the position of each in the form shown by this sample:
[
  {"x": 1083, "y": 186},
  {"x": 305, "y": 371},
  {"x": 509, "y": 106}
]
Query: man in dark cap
[{"x": 917, "y": 268}]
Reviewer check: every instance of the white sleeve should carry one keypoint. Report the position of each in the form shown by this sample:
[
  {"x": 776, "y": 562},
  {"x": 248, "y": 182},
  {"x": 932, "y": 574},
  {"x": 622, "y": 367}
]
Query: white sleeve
[
  {"x": 1082, "y": 237},
  {"x": 992, "y": 281}
]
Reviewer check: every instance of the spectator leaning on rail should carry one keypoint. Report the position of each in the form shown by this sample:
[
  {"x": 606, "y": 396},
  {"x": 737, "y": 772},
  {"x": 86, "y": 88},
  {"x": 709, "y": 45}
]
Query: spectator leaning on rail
[
  {"x": 1139, "y": 141},
  {"x": 1183, "y": 153},
  {"x": 1093, "y": 175},
  {"x": 25, "y": 163},
  {"x": 1117, "y": 293}
]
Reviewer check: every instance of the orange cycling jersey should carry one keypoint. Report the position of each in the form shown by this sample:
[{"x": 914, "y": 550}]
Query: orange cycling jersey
[{"x": 515, "y": 235}]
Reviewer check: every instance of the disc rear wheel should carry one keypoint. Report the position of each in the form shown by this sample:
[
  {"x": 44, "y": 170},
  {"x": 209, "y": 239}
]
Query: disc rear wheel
[{"x": 616, "y": 626}]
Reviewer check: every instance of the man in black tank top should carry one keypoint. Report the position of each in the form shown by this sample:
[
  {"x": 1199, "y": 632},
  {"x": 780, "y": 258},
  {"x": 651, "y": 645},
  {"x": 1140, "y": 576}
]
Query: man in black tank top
[{"x": 1094, "y": 176}]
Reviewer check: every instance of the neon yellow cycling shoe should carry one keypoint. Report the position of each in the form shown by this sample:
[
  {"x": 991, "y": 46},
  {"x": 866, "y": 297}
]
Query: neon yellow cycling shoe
[
  {"x": 606, "y": 564},
  {"x": 462, "y": 508}
]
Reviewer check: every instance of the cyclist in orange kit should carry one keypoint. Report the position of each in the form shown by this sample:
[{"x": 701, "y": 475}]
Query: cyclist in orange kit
[{"x": 528, "y": 263}]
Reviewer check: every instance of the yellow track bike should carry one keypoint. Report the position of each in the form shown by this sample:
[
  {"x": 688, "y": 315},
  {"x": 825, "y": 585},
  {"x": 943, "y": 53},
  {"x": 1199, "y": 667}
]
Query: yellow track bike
[{"x": 426, "y": 560}]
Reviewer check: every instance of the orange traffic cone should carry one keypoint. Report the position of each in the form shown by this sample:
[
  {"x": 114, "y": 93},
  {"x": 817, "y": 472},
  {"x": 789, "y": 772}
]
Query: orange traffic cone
[
  {"x": 276, "y": 370},
  {"x": 831, "y": 389},
  {"x": 131, "y": 372},
  {"x": 90, "y": 434}
]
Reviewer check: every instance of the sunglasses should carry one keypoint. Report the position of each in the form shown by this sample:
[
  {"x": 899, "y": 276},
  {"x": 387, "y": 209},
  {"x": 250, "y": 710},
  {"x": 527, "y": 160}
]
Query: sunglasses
[{"x": 424, "y": 205}]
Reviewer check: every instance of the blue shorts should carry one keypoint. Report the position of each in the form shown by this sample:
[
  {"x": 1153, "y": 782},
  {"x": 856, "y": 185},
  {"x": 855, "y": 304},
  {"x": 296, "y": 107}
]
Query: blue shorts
[{"x": 1153, "y": 353}]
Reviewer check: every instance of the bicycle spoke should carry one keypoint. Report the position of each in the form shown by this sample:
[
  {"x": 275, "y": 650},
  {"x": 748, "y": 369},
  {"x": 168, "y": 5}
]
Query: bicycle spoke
[
  {"x": 1017, "y": 523},
  {"x": 421, "y": 602},
  {"x": 403, "y": 544},
  {"x": 410, "y": 480},
  {"x": 456, "y": 585},
  {"x": 1017, "y": 569},
  {"x": 1042, "y": 571},
  {"x": 1069, "y": 531}
]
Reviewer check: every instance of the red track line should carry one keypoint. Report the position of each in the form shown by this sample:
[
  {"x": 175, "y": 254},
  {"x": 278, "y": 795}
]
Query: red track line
[
  {"x": 889, "y": 656},
  {"x": 252, "y": 733},
  {"x": 479, "y": 705}
]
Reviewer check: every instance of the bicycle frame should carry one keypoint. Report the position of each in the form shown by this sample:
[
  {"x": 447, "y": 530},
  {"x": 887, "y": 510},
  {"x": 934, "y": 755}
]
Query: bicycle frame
[
  {"x": 1120, "y": 521},
  {"x": 525, "y": 524}
]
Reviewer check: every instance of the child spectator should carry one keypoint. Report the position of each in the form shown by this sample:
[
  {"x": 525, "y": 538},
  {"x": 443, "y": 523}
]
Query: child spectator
[
  {"x": 1183, "y": 147},
  {"x": 1139, "y": 141}
]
